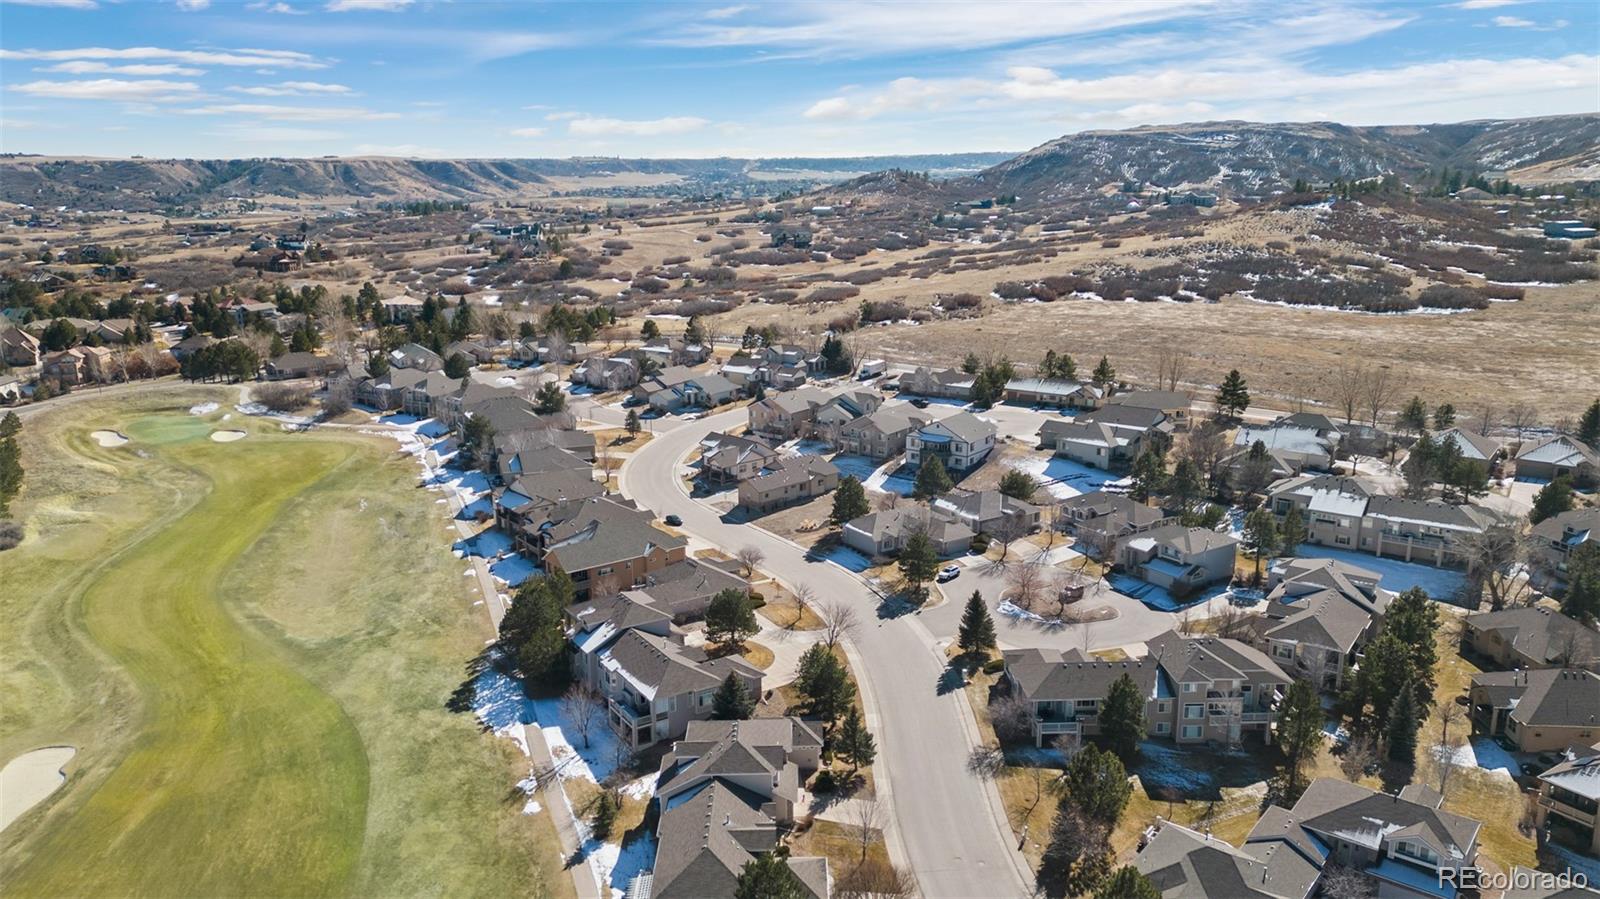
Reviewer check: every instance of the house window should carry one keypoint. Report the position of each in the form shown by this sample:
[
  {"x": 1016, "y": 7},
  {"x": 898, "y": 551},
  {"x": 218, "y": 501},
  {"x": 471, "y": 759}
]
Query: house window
[
  {"x": 1087, "y": 703},
  {"x": 1163, "y": 707},
  {"x": 1194, "y": 711},
  {"x": 1342, "y": 541},
  {"x": 1163, "y": 727},
  {"x": 1190, "y": 688},
  {"x": 1191, "y": 731}
]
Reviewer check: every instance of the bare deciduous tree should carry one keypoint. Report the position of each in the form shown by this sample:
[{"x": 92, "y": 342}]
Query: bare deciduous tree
[
  {"x": 1347, "y": 387},
  {"x": 875, "y": 879},
  {"x": 1027, "y": 584},
  {"x": 750, "y": 557},
  {"x": 1486, "y": 418},
  {"x": 1497, "y": 561},
  {"x": 1010, "y": 529},
  {"x": 582, "y": 710},
  {"x": 1381, "y": 387},
  {"x": 1171, "y": 365},
  {"x": 1521, "y": 417},
  {"x": 867, "y": 820},
  {"x": 1448, "y": 718},
  {"x": 839, "y": 622},
  {"x": 1012, "y": 717},
  {"x": 1339, "y": 882}
]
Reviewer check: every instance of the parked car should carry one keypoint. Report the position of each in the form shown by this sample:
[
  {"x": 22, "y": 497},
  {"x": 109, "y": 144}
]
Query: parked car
[
  {"x": 1533, "y": 769},
  {"x": 949, "y": 573},
  {"x": 673, "y": 521},
  {"x": 920, "y": 403}
]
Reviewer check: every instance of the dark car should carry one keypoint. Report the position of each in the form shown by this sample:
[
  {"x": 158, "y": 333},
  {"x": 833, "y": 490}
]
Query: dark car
[
  {"x": 674, "y": 521},
  {"x": 1533, "y": 769},
  {"x": 920, "y": 403}
]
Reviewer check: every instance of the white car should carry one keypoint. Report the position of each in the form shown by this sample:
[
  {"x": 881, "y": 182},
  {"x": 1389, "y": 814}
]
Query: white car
[{"x": 949, "y": 573}]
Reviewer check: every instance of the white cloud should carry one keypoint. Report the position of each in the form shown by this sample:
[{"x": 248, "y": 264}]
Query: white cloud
[
  {"x": 292, "y": 89},
  {"x": 154, "y": 90},
  {"x": 58, "y": 4},
  {"x": 725, "y": 12},
  {"x": 1512, "y": 22},
  {"x": 1486, "y": 4},
  {"x": 85, "y": 67},
  {"x": 279, "y": 8},
  {"x": 192, "y": 5},
  {"x": 588, "y": 126},
  {"x": 527, "y": 132},
  {"x": 280, "y": 59},
  {"x": 292, "y": 113},
  {"x": 875, "y": 27},
  {"x": 367, "y": 5}
]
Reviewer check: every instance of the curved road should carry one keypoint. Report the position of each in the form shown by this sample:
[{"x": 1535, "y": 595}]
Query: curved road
[{"x": 950, "y": 826}]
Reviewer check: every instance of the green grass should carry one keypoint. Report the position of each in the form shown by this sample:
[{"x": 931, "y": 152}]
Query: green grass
[{"x": 252, "y": 645}]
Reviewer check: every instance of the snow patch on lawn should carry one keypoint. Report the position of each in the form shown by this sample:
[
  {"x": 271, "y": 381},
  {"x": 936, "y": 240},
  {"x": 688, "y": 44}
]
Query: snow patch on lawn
[
  {"x": 512, "y": 569},
  {"x": 501, "y": 704},
  {"x": 203, "y": 409}
]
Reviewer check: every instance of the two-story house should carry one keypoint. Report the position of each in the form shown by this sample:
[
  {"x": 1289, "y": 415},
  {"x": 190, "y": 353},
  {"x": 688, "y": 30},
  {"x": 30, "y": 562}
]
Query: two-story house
[
  {"x": 787, "y": 481},
  {"x": 885, "y": 532},
  {"x": 1099, "y": 521},
  {"x": 1555, "y": 539},
  {"x": 1180, "y": 560},
  {"x": 1568, "y": 810},
  {"x": 1529, "y": 637},
  {"x": 606, "y": 546},
  {"x": 1539, "y": 709},
  {"x": 730, "y": 458},
  {"x": 785, "y": 416},
  {"x": 880, "y": 434},
  {"x": 1319, "y": 613},
  {"x": 990, "y": 511},
  {"x": 1108, "y": 438},
  {"x": 962, "y": 441}
]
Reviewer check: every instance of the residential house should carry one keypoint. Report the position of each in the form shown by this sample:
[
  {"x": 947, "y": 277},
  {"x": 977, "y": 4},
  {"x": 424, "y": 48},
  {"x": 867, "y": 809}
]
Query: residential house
[
  {"x": 881, "y": 434},
  {"x": 785, "y": 416},
  {"x": 1569, "y": 802},
  {"x": 608, "y": 373},
  {"x": 114, "y": 330},
  {"x": 1538, "y": 709},
  {"x": 1055, "y": 392},
  {"x": 604, "y": 545},
  {"x": 1474, "y": 447},
  {"x": 552, "y": 350},
  {"x": 1556, "y": 538},
  {"x": 948, "y": 383},
  {"x": 1330, "y": 507},
  {"x": 535, "y": 460},
  {"x": 1530, "y": 637},
  {"x": 1188, "y": 864},
  {"x": 685, "y": 589},
  {"x": 1560, "y": 455},
  {"x": 1196, "y": 689},
  {"x": 401, "y": 309},
  {"x": 628, "y": 652},
  {"x": 886, "y": 532},
  {"x": 962, "y": 442},
  {"x": 301, "y": 365},
  {"x": 726, "y": 789},
  {"x": 1319, "y": 613},
  {"x": 1108, "y": 438},
  {"x": 730, "y": 459},
  {"x": 79, "y": 365},
  {"x": 670, "y": 351},
  {"x": 480, "y": 352},
  {"x": 990, "y": 512},
  {"x": 1100, "y": 520},
  {"x": 1421, "y": 530},
  {"x": 243, "y": 310},
  {"x": 829, "y": 421},
  {"x": 1178, "y": 559},
  {"x": 543, "y": 431},
  {"x": 18, "y": 348},
  {"x": 1306, "y": 447},
  {"x": 469, "y": 395},
  {"x": 188, "y": 346},
  {"x": 413, "y": 355},
  {"x": 530, "y": 503},
  {"x": 679, "y": 387},
  {"x": 786, "y": 481},
  {"x": 1176, "y": 405}
]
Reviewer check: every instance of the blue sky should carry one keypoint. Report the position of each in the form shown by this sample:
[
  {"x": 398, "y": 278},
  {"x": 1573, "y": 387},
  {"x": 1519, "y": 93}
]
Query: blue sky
[{"x": 195, "y": 78}]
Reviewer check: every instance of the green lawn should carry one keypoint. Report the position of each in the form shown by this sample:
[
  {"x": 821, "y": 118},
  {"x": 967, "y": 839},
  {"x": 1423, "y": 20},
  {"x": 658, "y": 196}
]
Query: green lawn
[{"x": 251, "y": 644}]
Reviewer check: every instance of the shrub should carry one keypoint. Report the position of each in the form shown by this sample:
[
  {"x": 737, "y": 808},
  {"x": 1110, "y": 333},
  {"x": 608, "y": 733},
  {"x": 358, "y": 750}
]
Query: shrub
[
  {"x": 994, "y": 666},
  {"x": 832, "y": 294},
  {"x": 1440, "y": 296},
  {"x": 1110, "y": 244},
  {"x": 10, "y": 534},
  {"x": 757, "y": 600},
  {"x": 281, "y": 397},
  {"x": 825, "y": 782}
]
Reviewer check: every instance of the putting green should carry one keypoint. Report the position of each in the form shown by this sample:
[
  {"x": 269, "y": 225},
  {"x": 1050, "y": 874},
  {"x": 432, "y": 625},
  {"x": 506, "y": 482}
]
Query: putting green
[{"x": 233, "y": 737}]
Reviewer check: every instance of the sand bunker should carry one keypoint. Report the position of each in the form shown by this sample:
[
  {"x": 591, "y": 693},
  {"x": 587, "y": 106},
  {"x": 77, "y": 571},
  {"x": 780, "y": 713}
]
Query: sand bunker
[
  {"x": 26, "y": 780},
  {"x": 108, "y": 438},
  {"x": 227, "y": 436}
]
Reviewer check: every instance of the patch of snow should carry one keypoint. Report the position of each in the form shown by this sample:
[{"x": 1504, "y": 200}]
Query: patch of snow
[{"x": 203, "y": 409}]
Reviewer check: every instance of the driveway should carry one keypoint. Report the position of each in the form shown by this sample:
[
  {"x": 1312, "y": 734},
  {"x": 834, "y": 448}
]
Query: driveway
[{"x": 949, "y": 828}]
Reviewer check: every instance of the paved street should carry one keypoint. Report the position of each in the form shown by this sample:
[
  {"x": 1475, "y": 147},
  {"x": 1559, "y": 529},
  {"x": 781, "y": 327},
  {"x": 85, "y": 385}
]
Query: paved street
[{"x": 950, "y": 828}]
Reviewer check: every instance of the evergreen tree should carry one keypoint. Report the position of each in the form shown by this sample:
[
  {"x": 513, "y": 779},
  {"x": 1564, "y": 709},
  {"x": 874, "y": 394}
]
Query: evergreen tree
[
  {"x": 932, "y": 478},
  {"x": 1185, "y": 485},
  {"x": 1551, "y": 500},
  {"x": 1292, "y": 532},
  {"x": 1122, "y": 723},
  {"x": 1149, "y": 474},
  {"x": 1581, "y": 602},
  {"x": 825, "y": 683},
  {"x": 10, "y": 425},
  {"x": 10, "y": 461},
  {"x": 694, "y": 332},
  {"x": 854, "y": 743},
  {"x": 631, "y": 423},
  {"x": 649, "y": 330},
  {"x": 918, "y": 563},
  {"x": 730, "y": 618},
  {"x": 1104, "y": 375},
  {"x": 1444, "y": 417},
  {"x": 1260, "y": 535},
  {"x": 378, "y": 365},
  {"x": 971, "y": 364},
  {"x": 1414, "y": 417},
  {"x": 549, "y": 399},
  {"x": 732, "y": 702},
  {"x": 768, "y": 876},
  {"x": 1384, "y": 673},
  {"x": 458, "y": 366},
  {"x": 1589, "y": 425},
  {"x": 1300, "y": 721},
  {"x": 976, "y": 633},
  {"x": 1078, "y": 857},
  {"x": 531, "y": 630},
  {"x": 1018, "y": 484},
  {"x": 1233, "y": 397},
  {"x": 1127, "y": 883},
  {"x": 1098, "y": 782},
  {"x": 849, "y": 501},
  {"x": 1401, "y": 732}
]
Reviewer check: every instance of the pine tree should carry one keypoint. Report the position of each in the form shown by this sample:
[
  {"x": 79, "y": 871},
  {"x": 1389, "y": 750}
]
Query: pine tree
[
  {"x": 971, "y": 365},
  {"x": 1127, "y": 882},
  {"x": 768, "y": 876},
  {"x": 1233, "y": 397},
  {"x": 458, "y": 366},
  {"x": 1414, "y": 417},
  {"x": 1300, "y": 721},
  {"x": 849, "y": 501},
  {"x": 1589, "y": 425},
  {"x": 732, "y": 702},
  {"x": 10, "y": 425},
  {"x": 1292, "y": 532},
  {"x": 649, "y": 330},
  {"x": 694, "y": 332},
  {"x": 631, "y": 423},
  {"x": 1078, "y": 857},
  {"x": 1551, "y": 500},
  {"x": 1018, "y": 484},
  {"x": 1098, "y": 782},
  {"x": 1401, "y": 732},
  {"x": 854, "y": 742},
  {"x": 1581, "y": 602},
  {"x": 1104, "y": 375},
  {"x": 932, "y": 479},
  {"x": 1122, "y": 723},
  {"x": 1444, "y": 417},
  {"x": 976, "y": 633},
  {"x": 1260, "y": 535},
  {"x": 1149, "y": 474},
  {"x": 730, "y": 618},
  {"x": 918, "y": 563},
  {"x": 549, "y": 399}
]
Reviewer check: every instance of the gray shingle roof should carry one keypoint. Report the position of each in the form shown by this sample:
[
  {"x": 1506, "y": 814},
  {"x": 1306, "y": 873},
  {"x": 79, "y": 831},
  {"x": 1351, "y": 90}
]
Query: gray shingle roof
[
  {"x": 1554, "y": 697},
  {"x": 1546, "y": 636},
  {"x": 1363, "y": 816}
]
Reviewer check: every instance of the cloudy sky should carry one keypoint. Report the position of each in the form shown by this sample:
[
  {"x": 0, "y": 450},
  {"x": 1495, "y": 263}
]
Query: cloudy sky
[{"x": 217, "y": 78}]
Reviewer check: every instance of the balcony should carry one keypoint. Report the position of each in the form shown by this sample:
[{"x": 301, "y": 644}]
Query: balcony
[
  {"x": 1566, "y": 811},
  {"x": 1057, "y": 727},
  {"x": 1255, "y": 717},
  {"x": 633, "y": 716}
]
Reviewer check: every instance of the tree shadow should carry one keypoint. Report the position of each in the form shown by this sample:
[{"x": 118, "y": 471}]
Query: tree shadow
[
  {"x": 465, "y": 696},
  {"x": 951, "y": 679}
]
